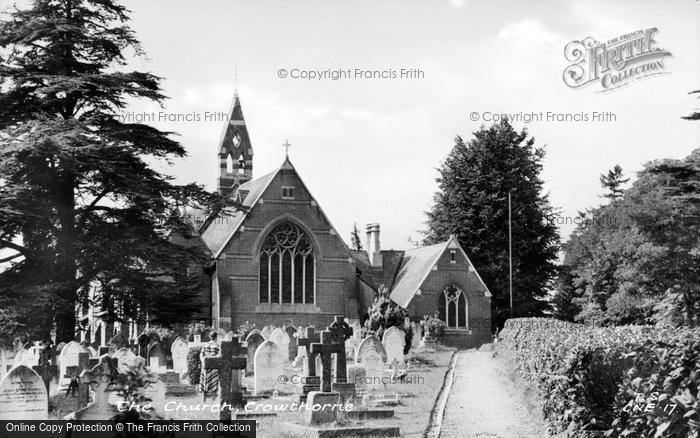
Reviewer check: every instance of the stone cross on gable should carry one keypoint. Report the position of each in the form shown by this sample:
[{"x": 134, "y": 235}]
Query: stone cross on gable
[
  {"x": 228, "y": 363},
  {"x": 340, "y": 332},
  {"x": 286, "y": 145},
  {"x": 326, "y": 348},
  {"x": 44, "y": 368}
]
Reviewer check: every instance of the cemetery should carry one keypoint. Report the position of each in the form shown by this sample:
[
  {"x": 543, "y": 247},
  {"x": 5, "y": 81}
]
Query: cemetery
[{"x": 303, "y": 381}]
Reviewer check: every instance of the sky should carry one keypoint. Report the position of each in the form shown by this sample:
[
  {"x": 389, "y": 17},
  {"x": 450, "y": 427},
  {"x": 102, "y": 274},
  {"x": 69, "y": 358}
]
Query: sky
[{"x": 368, "y": 148}]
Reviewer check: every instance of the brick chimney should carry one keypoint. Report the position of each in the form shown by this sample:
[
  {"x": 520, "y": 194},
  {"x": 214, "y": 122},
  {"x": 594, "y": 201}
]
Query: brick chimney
[{"x": 374, "y": 246}]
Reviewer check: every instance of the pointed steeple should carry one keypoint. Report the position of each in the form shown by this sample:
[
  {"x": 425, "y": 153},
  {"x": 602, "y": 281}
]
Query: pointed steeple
[{"x": 235, "y": 151}]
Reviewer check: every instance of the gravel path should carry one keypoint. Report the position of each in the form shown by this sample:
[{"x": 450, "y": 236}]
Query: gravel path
[{"x": 483, "y": 403}]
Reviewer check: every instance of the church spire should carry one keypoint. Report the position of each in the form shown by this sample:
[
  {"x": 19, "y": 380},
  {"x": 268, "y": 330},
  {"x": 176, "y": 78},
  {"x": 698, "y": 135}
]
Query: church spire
[{"x": 235, "y": 151}]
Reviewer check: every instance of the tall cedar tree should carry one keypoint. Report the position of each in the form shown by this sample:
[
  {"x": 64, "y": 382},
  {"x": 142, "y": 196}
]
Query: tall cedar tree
[
  {"x": 79, "y": 205},
  {"x": 472, "y": 203}
]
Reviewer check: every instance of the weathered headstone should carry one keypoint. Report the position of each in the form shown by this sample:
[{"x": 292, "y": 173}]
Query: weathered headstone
[
  {"x": 156, "y": 358},
  {"x": 228, "y": 336},
  {"x": 253, "y": 341},
  {"x": 267, "y": 367},
  {"x": 69, "y": 358},
  {"x": 24, "y": 357},
  {"x": 179, "y": 350},
  {"x": 126, "y": 359},
  {"x": 281, "y": 339},
  {"x": 292, "y": 345},
  {"x": 394, "y": 341},
  {"x": 266, "y": 331},
  {"x": 23, "y": 395},
  {"x": 229, "y": 364},
  {"x": 357, "y": 374},
  {"x": 371, "y": 355},
  {"x": 417, "y": 335}
]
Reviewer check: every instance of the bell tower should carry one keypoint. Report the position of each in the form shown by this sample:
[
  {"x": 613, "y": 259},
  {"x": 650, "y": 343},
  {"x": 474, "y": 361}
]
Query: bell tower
[{"x": 235, "y": 151}]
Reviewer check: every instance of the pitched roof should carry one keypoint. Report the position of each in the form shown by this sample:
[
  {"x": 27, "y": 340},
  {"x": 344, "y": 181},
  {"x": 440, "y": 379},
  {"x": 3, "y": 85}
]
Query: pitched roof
[
  {"x": 222, "y": 228},
  {"x": 416, "y": 266}
]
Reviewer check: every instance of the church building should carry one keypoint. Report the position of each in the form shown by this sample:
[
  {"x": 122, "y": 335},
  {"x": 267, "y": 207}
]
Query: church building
[{"x": 281, "y": 260}]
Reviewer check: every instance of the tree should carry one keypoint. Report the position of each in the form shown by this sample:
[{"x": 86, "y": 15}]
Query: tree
[
  {"x": 636, "y": 260},
  {"x": 472, "y": 203},
  {"x": 384, "y": 313},
  {"x": 80, "y": 206},
  {"x": 355, "y": 241},
  {"x": 613, "y": 182}
]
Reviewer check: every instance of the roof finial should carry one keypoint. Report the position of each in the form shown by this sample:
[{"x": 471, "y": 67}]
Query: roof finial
[{"x": 286, "y": 145}]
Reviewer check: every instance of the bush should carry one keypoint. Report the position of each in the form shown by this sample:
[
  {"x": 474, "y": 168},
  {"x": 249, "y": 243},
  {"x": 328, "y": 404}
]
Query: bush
[
  {"x": 435, "y": 327},
  {"x": 383, "y": 314},
  {"x": 194, "y": 365},
  {"x": 613, "y": 382}
]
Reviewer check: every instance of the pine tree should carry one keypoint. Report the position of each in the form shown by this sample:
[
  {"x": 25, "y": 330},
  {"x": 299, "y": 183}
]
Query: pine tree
[
  {"x": 472, "y": 203},
  {"x": 80, "y": 206},
  {"x": 613, "y": 182},
  {"x": 355, "y": 242}
]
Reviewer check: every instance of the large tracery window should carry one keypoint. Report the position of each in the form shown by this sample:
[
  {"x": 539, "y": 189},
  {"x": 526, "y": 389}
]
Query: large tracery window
[
  {"x": 287, "y": 268},
  {"x": 452, "y": 307}
]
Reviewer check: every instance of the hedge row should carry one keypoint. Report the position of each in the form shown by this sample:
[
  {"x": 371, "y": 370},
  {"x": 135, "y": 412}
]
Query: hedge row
[{"x": 628, "y": 381}]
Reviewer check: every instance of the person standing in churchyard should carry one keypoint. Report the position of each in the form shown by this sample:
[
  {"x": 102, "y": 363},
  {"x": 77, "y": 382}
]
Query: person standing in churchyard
[
  {"x": 73, "y": 386},
  {"x": 209, "y": 380}
]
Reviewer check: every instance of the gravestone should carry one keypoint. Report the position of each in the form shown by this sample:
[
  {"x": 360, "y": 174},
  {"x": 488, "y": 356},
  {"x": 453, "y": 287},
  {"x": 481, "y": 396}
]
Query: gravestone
[
  {"x": 23, "y": 357},
  {"x": 69, "y": 358},
  {"x": 325, "y": 349},
  {"x": 417, "y": 335},
  {"x": 179, "y": 350},
  {"x": 312, "y": 382},
  {"x": 4, "y": 363},
  {"x": 143, "y": 341},
  {"x": 126, "y": 359},
  {"x": 266, "y": 331},
  {"x": 92, "y": 351},
  {"x": 156, "y": 358},
  {"x": 23, "y": 395},
  {"x": 229, "y": 336},
  {"x": 229, "y": 364},
  {"x": 205, "y": 335},
  {"x": 340, "y": 332},
  {"x": 281, "y": 339},
  {"x": 267, "y": 367},
  {"x": 45, "y": 369},
  {"x": 394, "y": 341},
  {"x": 371, "y": 355},
  {"x": 100, "y": 379},
  {"x": 292, "y": 346},
  {"x": 357, "y": 374},
  {"x": 253, "y": 341}
]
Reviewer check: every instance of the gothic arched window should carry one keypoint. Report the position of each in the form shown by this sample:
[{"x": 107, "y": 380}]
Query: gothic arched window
[
  {"x": 287, "y": 267},
  {"x": 452, "y": 307}
]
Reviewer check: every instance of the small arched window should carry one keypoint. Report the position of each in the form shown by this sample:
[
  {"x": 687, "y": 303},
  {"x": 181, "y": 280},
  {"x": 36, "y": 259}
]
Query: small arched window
[
  {"x": 287, "y": 266},
  {"x": 229, "y": 164},
  {"x": 452, "y": 307}
]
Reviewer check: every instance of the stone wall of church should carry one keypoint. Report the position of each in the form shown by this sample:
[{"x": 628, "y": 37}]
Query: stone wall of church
[
  {"x": 238, "y": 269},
  {"x": 479, "y": 306}
]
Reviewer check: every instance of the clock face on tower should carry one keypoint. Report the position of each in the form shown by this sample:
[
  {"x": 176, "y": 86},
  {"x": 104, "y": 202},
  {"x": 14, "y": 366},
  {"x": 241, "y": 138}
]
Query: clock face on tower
[{"x": 236, "y": 140}]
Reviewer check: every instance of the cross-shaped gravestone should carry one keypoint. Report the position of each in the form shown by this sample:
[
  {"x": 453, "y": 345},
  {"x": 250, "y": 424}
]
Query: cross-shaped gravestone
[
  {"x": 340, "y": 332},
  {"x": 326, "y": 348},
  {"x": 45, "y": 369},
  {"x": 228, "y": 363},
  {"x": 100, "y": 378},
  {"x": 310, "y": 359}
]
